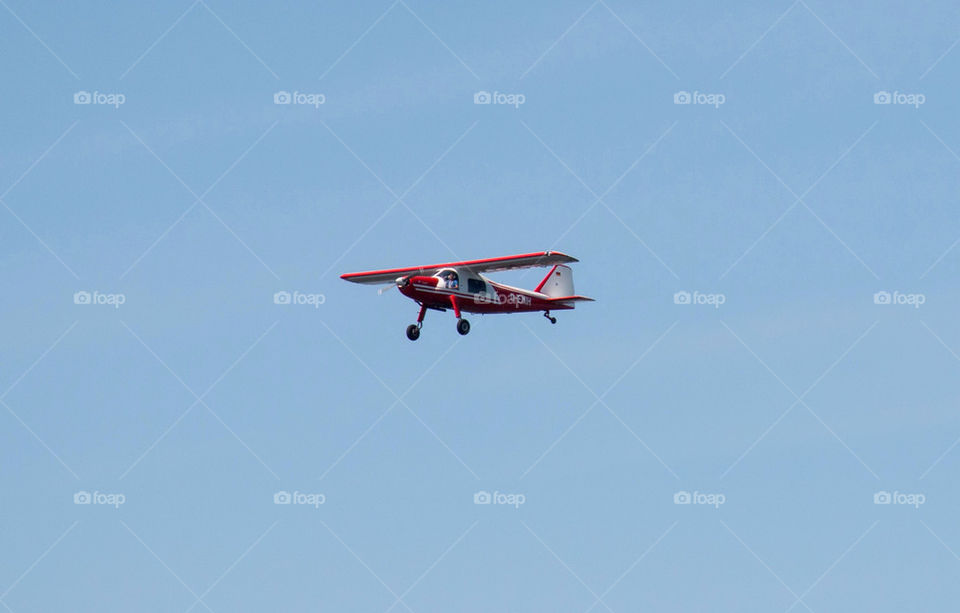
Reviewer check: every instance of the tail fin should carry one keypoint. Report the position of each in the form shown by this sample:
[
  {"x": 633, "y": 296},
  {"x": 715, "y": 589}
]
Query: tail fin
[{"x": 558, "y": 282}]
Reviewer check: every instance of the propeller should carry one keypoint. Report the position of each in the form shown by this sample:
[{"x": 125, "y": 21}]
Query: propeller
[{"x": 400, "y": 282}]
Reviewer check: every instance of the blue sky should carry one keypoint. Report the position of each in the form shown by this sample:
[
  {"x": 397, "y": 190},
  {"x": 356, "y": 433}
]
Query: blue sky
[{"x": 802, "y": 402}]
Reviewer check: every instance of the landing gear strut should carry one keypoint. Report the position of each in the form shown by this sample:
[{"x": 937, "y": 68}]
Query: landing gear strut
[
  {"x": 463, "y": 326},
  {"x": 413, "y": 330},
  {"x": 546, "y": 314}
]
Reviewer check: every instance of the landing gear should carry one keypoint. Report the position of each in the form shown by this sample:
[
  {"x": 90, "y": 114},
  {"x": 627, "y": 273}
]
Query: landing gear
[
  {"x": 463, "y": 326},
  {"x": 413, "y": 330},
  {"x": 546, "y": 314}
]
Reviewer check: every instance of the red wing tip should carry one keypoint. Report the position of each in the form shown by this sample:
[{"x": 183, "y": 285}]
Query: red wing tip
[{"x": 561, "y": 254}]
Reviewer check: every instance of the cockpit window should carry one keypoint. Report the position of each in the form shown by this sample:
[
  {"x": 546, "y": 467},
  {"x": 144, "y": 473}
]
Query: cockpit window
[{"x": 450, "y": 279}]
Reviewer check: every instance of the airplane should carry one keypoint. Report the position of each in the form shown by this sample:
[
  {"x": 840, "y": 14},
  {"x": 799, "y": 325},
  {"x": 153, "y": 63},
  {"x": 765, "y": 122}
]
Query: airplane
[{"x": 463, "y": 287}]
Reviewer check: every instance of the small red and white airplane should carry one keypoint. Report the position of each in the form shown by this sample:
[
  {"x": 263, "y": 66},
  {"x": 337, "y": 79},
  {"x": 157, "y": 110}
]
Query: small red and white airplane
[{"x": 462, "y": 286}]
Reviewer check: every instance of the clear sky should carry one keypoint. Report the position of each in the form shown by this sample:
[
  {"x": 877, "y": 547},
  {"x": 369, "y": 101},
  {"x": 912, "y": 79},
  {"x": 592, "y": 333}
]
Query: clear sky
[{"x": 784, "y": 164}]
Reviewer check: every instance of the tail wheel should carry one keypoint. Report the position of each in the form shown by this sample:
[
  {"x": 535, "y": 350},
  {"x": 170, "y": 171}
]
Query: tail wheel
[
  {"x": 463, "y": 326},
  {"x": 413, "y": 332}
]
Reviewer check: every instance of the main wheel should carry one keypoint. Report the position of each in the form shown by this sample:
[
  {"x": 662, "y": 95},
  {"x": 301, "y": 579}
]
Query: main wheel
[
  {"x": 413, "y": 332},
  {"x": 463, "y": 326}
]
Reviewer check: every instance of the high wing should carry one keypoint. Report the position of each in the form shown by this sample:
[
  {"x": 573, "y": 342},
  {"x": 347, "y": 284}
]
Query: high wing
[{"x": 510, "y": 262}]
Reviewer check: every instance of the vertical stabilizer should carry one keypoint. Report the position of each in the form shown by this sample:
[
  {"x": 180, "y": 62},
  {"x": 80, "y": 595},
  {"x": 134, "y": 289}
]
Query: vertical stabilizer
[{"x": 558, "y": 282}]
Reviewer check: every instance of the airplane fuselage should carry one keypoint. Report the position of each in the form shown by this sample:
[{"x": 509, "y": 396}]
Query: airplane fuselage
[{"x": 487, "y": 297}]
